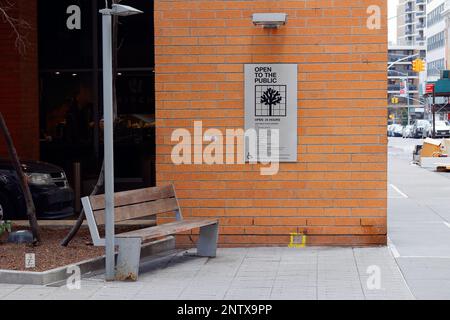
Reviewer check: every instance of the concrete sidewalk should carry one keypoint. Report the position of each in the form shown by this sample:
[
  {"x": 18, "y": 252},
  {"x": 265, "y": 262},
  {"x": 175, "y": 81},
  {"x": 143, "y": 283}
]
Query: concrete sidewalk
[
  {"x": 246, "y": 274},
  {"x": 419, "y": 230}
]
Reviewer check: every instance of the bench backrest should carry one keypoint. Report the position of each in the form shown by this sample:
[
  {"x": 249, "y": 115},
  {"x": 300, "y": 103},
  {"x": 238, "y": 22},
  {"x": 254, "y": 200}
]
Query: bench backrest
[
  {"x": 136, "y": 203},
  {"x": 130, "y": 205}
]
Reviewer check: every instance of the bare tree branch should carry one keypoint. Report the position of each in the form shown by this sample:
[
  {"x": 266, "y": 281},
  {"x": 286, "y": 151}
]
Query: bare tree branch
[{"x": 17, "y": 25}]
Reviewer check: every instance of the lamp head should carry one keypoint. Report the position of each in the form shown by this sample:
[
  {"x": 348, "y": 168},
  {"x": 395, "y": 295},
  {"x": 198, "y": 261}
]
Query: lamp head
[{"x": 122, "y": 10}]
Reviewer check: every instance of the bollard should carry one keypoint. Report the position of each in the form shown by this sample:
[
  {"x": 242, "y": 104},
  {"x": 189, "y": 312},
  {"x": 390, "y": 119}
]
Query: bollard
[{"x": 77, "y": 186}]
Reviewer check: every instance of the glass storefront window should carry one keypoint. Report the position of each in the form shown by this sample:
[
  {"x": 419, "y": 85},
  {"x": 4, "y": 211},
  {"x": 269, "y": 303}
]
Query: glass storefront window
[
  {"x": 70, "y": 87},
  {"x": 67, "y": 108}
]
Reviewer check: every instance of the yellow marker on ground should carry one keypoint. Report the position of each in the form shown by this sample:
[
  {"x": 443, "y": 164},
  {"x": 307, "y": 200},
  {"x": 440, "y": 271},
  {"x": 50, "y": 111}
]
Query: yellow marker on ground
[{"x": 294, "y": 244}]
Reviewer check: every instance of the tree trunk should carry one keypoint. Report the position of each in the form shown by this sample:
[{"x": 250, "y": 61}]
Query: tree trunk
[
  {"x": 31, "y": 210},
  {"x": 73, "y": 232}
]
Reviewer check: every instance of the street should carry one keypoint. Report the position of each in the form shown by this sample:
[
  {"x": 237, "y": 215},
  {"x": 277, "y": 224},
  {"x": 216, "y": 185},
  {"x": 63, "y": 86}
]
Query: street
[{"x": 419, "y": 222}]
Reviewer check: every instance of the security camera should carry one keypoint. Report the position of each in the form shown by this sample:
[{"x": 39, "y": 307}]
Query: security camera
[{"x": 270, "y": 20}]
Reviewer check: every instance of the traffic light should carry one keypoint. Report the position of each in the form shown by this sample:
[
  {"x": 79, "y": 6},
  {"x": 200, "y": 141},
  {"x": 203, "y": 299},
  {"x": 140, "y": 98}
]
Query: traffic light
[
  {"x": 392, "y": 116},
  {"x": 421, "y": 65},
  {"x": 418, "y": 65},
  {"x": 394, "y": 100}
]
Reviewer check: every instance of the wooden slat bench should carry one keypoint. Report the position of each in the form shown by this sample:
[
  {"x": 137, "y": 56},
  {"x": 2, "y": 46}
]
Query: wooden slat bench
[{"x": 145, "y": 203}]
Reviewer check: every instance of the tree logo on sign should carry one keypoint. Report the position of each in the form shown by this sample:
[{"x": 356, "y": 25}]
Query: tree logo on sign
[{"x": 271, "y": 98}]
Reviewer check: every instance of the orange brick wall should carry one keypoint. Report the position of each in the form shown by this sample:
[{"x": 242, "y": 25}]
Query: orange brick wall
[
  {"x": 336, "y": 192},
  {"x": 19, "y": 102}
]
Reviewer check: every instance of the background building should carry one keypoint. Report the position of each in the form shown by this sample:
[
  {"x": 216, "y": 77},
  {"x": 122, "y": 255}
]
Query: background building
[
  {"x": 436, "y": 39},
  {"x": 411, "y": 39},
  {"x": 411, "y": 22},
  {"x": 398, "y": 73}
]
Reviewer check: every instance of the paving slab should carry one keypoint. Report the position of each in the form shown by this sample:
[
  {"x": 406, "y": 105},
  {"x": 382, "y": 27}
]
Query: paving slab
[{"x": 308, "y": 273}]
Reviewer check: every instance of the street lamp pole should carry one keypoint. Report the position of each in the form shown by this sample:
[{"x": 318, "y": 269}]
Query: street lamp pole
[
  {"x": 108, "y": 118},
  {"x": 434, "y": 111},
  {"x": 407, "y": 98}
]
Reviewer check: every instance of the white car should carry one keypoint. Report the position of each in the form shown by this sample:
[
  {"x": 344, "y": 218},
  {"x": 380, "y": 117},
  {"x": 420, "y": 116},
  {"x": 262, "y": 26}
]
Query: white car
[
  {"x": 396, "y": 130},
  {"x": 407, "y": 131},
  {"x": 421, "y": 129},
  {"x": 442, "y": 129}
]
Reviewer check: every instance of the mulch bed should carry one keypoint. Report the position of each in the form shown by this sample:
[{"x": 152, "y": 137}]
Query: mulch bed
[{"x": 49, "y": 254}]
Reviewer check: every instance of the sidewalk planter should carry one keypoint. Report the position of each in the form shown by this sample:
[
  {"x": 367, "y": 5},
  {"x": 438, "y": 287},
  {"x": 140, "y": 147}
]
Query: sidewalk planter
[{"x": 58, "y": 276}]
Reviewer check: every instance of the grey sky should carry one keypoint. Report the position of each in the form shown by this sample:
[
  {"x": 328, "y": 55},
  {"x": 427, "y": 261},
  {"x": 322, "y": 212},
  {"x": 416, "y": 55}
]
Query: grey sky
[{"x": 392, "y": 12}]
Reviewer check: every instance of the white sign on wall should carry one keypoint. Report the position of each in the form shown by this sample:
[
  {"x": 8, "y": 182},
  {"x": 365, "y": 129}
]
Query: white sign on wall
[{"x": 271, "y": 103}]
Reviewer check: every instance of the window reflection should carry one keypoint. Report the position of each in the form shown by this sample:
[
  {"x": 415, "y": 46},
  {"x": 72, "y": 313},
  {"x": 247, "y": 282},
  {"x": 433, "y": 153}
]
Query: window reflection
[{"x": 71, "y": 96}]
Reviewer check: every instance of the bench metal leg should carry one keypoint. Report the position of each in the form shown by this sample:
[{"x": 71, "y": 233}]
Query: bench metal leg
[
  {"x": 207, "y": 242},
  {"x": 128, "y": 258}
]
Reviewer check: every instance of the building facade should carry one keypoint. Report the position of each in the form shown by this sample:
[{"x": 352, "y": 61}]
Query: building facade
[
  {"x": 436, "y": 39},
  {"x": 411, "y": 22},
  {"x": 335, "y": 191},
  {"x": 438, "y": 13},
  {"x": 331, "y": 194}
]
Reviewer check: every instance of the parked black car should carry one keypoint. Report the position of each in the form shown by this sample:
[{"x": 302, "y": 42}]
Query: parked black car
[{"x": 52, "y": 195}]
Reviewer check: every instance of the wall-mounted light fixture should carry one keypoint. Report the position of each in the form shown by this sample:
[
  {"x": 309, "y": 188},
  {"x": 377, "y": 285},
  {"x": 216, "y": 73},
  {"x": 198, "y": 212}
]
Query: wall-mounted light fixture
[{"x": 270, "y": 20}]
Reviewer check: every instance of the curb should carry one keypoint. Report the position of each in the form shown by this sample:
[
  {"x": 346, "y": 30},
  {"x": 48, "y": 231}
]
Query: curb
[{"x": 87, "y": 266}]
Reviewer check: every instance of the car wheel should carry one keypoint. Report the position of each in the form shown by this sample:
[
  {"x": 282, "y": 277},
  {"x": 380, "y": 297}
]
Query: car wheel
[{"x": 5, "y": 207}]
